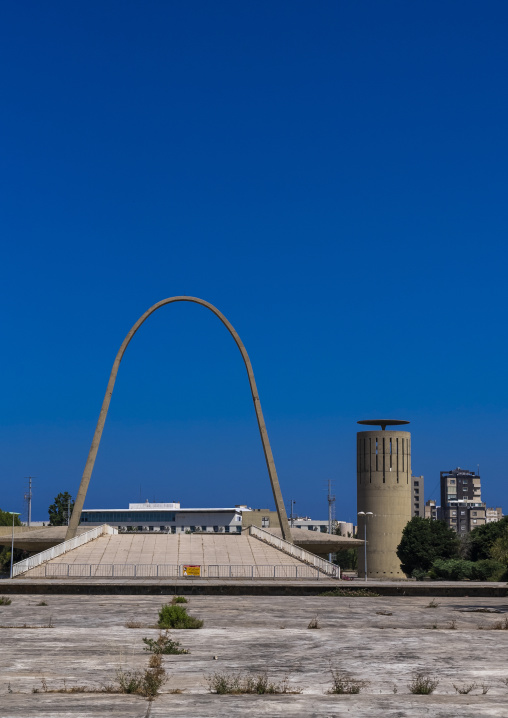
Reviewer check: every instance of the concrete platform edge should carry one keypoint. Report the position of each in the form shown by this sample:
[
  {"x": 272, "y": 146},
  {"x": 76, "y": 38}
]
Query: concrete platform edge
[{"x": 248, "y": 588}]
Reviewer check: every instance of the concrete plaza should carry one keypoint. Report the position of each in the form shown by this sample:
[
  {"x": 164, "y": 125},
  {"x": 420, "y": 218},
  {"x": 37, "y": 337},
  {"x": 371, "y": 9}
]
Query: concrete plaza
[{"x": 379, "y": 640}]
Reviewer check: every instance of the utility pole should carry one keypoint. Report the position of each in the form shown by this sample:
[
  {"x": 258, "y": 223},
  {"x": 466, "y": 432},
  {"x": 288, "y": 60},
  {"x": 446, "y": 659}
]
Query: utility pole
[
  {"x": 28, "y": 498},
  {"x": 331, "y": 511},
  {"x": 291, "y": 516}
]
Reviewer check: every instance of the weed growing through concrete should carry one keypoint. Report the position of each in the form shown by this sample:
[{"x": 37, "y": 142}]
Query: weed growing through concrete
[
  {"x": 222, "y": 683},
  {"x": 5, "y": 601},
  {"x": 133, "y": 624},
  {"x": 465, "y": 689},
  {"x": 163, "y": 644},
  {"x": 171, "y": 616},
  {"x": 179, "y": 599},
  {"x": 142, "y": 683},
  {"x": 27, "y": 625},
  {"x": 352, "y": 593},
  {"x": 42, "y": 603},
  {"x": 432, "y": 604},
  {"x": 423, "y": 684},
  {"x": 314, "y": 623},
  {"x": 498, "y": 626},
  {"x": 343, "y": 683}
]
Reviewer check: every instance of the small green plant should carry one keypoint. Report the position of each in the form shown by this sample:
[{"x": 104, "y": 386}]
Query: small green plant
[
  {"x": 5, "y": 601},
  {"x": 423, "y": 684},
  {"x": 432, "y": 604},
  {"x": 314, "y": 623},
  {"x": 179, "y": 599},
  {"x": 498, "y": 626},
  {"x": 222, "y": 683},
  {"x": 144, "y": 683},
  {"x": 465, "y": 689},
  {"x": 175, "y": 616},
  {"x": 42, "y": 603},
  {"x": 163, "y": 645},
  {"x": 343, "y": 683}
]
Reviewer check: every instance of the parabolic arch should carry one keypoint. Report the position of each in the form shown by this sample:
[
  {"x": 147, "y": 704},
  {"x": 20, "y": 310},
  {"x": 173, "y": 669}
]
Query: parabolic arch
[{"x": 87, "y": 473}]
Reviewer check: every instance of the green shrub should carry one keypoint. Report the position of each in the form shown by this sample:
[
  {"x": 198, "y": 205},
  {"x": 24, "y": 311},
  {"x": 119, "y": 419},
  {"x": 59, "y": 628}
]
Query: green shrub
[
  {"x": 179, "y": 599},
  {"x": 454, "y": 569},
  {"x": 419, "y": 574},
  {"x": 231, "y": 683},
  {"x": 343, "y": 683},
  {"x": 163, "y": 644},
  {"x": 487, "y": 570},
  {"x": 143, "y": 683},
  {"x": 5, "y": 601},
  {"x": 175, "y": 616}
]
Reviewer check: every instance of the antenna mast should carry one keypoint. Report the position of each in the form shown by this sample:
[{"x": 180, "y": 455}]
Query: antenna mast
[
  {"x": 331, "y": 511},
  {"x": 28, "y": 498}
]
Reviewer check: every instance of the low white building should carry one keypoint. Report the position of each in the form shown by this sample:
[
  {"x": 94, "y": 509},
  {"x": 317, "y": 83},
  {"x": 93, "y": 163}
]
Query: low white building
[{"x": 167, "y": 517}]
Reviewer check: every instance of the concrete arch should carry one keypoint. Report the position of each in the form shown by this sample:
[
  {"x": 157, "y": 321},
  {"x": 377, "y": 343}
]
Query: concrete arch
[{"x": 87, "y": 473}]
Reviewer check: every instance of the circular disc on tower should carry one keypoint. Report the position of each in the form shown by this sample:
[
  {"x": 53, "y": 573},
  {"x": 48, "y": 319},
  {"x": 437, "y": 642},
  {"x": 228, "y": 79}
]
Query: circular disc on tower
[{"x": 383, "y": 423}]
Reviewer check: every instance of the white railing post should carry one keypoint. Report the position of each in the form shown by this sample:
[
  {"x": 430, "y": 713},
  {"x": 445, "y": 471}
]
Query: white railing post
[{"x": 48, "y": 554}]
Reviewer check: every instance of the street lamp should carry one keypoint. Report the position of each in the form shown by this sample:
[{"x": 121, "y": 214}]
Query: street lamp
[
  {"x": 366, "y": 514},
  {"x": 14, "y": 513}
]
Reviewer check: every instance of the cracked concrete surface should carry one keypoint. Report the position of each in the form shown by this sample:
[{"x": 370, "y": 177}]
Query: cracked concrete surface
[{"x": 90, "y": 641}]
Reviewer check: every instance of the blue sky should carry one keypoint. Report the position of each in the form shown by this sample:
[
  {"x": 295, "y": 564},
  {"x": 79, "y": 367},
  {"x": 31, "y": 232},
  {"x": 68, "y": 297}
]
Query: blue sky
[{"x": 331, "y": 175}]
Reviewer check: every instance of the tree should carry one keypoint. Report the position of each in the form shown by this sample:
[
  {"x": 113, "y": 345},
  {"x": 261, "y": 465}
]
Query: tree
[
  {"x": 499, "y": 549},
  {"x": 423, "y": 541},
  {"x": 5, "y": 552},
  {"x": 483, "y": 537},
  {"x": 6, "y": 519},
  {"x": 59, "y": 511}
]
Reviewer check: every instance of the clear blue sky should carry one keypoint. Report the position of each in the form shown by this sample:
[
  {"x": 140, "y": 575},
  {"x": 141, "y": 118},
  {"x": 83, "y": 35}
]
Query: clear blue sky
[{"x": 331, "y": 175}]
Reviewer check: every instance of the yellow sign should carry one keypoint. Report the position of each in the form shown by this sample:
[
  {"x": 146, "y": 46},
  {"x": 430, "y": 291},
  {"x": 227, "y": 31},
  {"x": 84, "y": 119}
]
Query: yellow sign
[{"x": 192, "y": 570}]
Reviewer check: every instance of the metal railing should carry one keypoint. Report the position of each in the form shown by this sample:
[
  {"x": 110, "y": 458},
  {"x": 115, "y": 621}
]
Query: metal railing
[
  {"x": 40, "y": 558},
  {"x": 330, "y": 569},
  {"x": 132, "y": 570}
]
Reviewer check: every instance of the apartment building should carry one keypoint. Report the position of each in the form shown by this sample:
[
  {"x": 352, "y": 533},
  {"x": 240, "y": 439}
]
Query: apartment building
[{"x": 417, "y": 496}]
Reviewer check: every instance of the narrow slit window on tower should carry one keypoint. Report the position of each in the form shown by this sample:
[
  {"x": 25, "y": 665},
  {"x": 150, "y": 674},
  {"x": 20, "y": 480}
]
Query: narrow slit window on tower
[
  {"x": 403, "y": 454},
  {"x": 377, "y": 467},
  {"x": 390, "y": 454},
  {"x": 370, "y": 461},
  {"x": 397, "y": 454},
  {"x": 384, "y": 479}
]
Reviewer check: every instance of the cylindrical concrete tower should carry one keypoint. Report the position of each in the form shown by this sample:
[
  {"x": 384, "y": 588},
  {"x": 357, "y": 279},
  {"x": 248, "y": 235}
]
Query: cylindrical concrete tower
[{"x": 384, "y": 489}]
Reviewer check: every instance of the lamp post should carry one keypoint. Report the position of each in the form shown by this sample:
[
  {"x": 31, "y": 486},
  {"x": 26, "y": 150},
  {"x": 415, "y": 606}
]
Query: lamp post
[
  {"x": 14, "y": 513},
  {"x": 365, "y": 514}
]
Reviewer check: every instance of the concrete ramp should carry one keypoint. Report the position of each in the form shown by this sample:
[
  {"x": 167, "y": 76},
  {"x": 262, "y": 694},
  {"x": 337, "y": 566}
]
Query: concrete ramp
[{"x": 170, "y": 555}]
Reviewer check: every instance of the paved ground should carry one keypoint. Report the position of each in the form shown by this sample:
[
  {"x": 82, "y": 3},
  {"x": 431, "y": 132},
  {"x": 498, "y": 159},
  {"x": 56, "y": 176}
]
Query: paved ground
[{"x": 89, "y": 641}]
